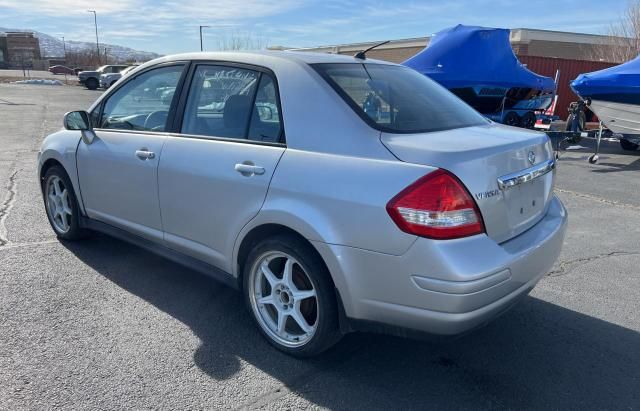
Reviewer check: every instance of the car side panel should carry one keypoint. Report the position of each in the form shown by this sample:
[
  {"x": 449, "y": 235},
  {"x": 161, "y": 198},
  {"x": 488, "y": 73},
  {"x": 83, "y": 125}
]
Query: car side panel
[
  {"x": 119, "y": 187},
  {"x": 339, "y": 199},
  {"x": 204, "y": 201}
]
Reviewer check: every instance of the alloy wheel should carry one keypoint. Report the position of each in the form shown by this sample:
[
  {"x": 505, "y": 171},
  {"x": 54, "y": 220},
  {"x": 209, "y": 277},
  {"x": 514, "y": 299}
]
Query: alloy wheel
[
  {"x": 58, "y": 204},
  {"x": 284, "y": 299}
]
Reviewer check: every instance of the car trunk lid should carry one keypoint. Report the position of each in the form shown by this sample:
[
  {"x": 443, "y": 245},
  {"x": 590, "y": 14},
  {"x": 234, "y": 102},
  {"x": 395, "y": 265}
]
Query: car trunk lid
[{"x": 507, "y": 170}]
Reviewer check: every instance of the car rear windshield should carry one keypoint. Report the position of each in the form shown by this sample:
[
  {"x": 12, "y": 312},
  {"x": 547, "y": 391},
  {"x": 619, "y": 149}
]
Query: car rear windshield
[{"x": 398, "y": 99}]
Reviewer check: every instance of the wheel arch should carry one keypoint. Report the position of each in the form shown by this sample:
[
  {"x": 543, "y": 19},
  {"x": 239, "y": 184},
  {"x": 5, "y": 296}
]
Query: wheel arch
[
  {"x": 53, "y": 162},
  {"x": 260, "y": 232},
  {"x": 60, "y": 149},
  {"x": 46, "y": 165}
]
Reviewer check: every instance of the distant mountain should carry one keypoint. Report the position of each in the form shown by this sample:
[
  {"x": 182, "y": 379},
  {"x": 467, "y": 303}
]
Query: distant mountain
[{"x": 52, "y": 47}]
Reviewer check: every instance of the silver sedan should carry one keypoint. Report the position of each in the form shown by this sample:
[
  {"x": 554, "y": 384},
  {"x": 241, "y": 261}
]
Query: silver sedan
[{"x": 337, "y": 193}]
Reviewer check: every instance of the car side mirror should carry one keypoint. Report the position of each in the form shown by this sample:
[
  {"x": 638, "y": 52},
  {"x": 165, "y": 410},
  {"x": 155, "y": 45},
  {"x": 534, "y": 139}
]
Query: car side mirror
[{"x": 77, "y": 120}]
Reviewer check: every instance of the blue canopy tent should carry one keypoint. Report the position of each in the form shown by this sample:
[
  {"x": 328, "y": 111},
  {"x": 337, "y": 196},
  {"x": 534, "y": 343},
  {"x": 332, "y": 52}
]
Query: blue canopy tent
[
  {"x": 468, "y": 56},
  {"x": 617, "y": 84}
]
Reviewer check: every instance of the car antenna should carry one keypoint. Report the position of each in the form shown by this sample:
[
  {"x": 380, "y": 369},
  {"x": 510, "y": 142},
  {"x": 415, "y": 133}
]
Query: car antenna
[{"x": 362, "y": 54}]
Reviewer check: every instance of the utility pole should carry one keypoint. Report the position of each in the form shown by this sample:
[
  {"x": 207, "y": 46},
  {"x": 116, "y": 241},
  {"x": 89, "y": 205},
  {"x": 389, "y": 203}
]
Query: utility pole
[
  {"x": 95, "y": 22},
  {"x": 106, "y": 56},
  {"x": 201, "y": 27},
  {"x": 64, "y": 47}
]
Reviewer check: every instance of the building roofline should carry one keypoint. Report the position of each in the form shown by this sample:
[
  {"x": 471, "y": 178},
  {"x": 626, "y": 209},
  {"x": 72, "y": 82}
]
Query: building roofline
[
  {"x": 557, "y": 32},
  {"x": 408, "y": 42},
  {"x": 519, "y": 34}
]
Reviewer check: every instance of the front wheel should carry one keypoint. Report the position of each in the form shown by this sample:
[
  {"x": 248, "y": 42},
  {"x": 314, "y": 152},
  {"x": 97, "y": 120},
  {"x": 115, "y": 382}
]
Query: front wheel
[
  {"x": 61, "y": 205},
  {"x": 291, "y": 296}
]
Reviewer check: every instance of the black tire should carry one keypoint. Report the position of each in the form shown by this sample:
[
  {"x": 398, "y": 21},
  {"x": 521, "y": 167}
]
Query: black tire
[
  {"x": 74, "y": 231},
  {"x": 528, "y": 120},
  {"x": 327, "y": 331},
  {"x": 91, "y": 83},
  {"x": 511, "y": 119},
  {"x": 628, "y": 145}
]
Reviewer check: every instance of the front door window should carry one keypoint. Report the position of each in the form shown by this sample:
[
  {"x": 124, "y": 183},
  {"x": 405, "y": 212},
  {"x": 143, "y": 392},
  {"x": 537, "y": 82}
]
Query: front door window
[{"x": 143, "y": 102}]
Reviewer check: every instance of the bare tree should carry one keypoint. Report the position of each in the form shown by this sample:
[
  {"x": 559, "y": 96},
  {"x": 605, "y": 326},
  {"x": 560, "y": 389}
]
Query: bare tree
[
  {"x": 82, "y": 58},
  {"x": 242, "y": 41},
  {"x": 622, "y": 42}
]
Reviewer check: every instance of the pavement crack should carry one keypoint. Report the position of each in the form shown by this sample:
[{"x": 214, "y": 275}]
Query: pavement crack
[
  {"x": 565, "y": 267},
  {"x": 598, "y": 199},
  {"x": 7, "y": 205}
]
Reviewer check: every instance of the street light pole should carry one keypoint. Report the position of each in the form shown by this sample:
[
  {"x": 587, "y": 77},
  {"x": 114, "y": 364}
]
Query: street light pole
[
  {"x": 201, "y": 27},
  {"x": 64, "y": 47},
  {"x": 95, "y": 22}
]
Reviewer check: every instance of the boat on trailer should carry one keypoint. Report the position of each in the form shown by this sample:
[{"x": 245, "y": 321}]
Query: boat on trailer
[
  {"x": 479, "y": 66},
  {"x": 613, "y": 94}
]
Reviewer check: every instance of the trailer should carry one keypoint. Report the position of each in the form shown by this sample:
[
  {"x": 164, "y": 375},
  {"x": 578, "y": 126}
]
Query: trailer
[{"x": 559, "y": 138}]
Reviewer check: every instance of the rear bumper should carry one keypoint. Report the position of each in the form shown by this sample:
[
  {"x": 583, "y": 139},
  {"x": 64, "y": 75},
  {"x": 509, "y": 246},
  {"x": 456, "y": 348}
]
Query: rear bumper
[{"x": 445, "y": 287}]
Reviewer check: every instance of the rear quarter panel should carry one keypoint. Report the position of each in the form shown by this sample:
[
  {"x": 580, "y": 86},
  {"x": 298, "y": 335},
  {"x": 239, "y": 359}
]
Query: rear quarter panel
[{"x": 339, "y": 199}]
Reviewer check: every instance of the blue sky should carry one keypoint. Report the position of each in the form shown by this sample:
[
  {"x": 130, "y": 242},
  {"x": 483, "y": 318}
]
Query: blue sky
[{"x": 171, "y": 26}]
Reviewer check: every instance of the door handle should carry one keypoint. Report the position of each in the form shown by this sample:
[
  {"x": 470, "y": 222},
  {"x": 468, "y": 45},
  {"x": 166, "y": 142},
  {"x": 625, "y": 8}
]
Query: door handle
[
  {"x": 144, "y": 154},
  {"x": 248, "y": 169}
]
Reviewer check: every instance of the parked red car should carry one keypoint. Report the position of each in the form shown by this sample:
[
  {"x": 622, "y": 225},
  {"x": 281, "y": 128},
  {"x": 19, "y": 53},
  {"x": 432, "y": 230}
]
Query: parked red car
[{"x": 61, "y": 70}]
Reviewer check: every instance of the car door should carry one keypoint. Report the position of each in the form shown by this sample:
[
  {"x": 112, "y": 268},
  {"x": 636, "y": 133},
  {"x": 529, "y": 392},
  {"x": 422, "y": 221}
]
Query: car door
[
  {"x": 214, "y": 176},
  {"x": 118, "y": 169}
]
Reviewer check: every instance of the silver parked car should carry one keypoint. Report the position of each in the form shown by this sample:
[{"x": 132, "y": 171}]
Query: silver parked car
[
  {"x": 109, "y": 79},
  {"x": 337, "y": 193}
]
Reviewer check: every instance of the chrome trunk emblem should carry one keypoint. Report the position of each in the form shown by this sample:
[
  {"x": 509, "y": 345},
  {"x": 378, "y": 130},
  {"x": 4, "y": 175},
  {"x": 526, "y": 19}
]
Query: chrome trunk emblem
[
  {"x": 524, "y": 176},
  {"x": 532, "y": 157}
]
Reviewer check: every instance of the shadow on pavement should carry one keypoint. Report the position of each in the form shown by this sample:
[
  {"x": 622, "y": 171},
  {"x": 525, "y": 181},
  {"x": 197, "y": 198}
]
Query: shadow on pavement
[{"x": 539, "y": 355}]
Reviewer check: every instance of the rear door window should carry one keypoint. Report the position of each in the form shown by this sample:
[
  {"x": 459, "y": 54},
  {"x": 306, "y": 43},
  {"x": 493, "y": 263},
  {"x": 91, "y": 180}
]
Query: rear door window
[
  {"x": 265, "y": 118},
  {"x": 220, "y": 101}
]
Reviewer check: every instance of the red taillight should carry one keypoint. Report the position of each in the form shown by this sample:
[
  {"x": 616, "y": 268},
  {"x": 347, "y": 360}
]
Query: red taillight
[{"x": 436, "y": 206}]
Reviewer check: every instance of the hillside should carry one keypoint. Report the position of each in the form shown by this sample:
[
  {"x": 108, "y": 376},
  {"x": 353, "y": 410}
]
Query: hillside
[{"x": 52, "y": 47}]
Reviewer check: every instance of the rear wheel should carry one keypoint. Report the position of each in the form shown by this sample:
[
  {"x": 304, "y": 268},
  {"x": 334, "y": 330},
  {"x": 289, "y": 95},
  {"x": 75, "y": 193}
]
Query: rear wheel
[
  {"x": 512, "y": 119},
  {"x": 61, "y": 205},
  {"x": 628, "y": 145},
  {"x": 291, "y": 296},
  {"x": 528, "y": 120},
  {"x": 91, "y": 83}
]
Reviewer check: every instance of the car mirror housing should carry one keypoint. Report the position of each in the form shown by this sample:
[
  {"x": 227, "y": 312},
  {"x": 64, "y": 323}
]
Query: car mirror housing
[{"x": 77, "y": 120}]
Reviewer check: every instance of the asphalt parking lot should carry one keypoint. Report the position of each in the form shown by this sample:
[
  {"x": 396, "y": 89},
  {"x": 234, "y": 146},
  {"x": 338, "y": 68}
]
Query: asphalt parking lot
[{"x": 103, "y": 325}]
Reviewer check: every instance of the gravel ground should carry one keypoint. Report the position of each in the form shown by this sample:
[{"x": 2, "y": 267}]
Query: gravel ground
[
  {"x": 103, "y": 325},
  {"x": 9, "y": 76}
]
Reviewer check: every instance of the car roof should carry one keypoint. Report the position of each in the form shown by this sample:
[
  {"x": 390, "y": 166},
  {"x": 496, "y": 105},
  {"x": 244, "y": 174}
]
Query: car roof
[{"x": 259, "y": 57}]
